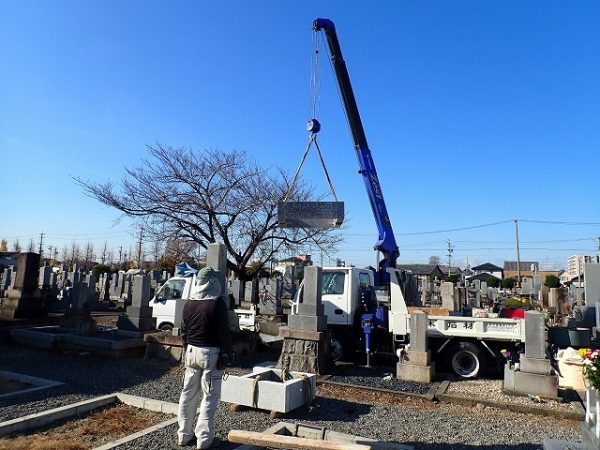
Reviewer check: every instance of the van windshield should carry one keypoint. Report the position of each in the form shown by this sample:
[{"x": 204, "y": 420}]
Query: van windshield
[{"x": 172, "y": 290}]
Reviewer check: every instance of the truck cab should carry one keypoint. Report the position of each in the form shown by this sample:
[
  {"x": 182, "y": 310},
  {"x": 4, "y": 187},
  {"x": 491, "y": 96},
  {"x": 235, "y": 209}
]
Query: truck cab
[
  {"x": 345, "y": 294},
  {"x": 164, "y": 303}
]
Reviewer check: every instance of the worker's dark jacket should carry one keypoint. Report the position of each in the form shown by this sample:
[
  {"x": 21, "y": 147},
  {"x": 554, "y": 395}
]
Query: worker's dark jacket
[{"x": 206, "y": 324}]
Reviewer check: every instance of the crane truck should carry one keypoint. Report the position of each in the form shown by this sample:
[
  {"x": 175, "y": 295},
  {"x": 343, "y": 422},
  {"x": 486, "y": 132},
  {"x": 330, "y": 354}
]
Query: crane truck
[{"x": 357, "y": 315}]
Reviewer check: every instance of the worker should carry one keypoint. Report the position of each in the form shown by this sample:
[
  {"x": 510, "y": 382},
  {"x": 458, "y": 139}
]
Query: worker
[{"x": 205, "y": 334}]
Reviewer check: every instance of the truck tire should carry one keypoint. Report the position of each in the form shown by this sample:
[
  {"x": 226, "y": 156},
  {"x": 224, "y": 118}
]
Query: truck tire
[
  {"x": 466, "y": 360},
  {"x": 166, "y": 326},
  {"x": 337, "y": 347}
]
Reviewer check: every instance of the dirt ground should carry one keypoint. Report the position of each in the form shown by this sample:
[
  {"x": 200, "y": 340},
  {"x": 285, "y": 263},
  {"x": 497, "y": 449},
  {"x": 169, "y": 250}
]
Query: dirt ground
[
  {"x": 8, "y": 386},
  {"x": 93, "y": 430}
]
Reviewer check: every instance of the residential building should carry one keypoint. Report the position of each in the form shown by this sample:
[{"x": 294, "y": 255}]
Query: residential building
[
  {"x": 489, "y": 268},
  {"x": 575, "y": 264}
]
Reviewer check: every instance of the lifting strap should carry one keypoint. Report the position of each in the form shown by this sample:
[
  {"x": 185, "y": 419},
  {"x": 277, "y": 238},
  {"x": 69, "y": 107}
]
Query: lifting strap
[{"x": 311, "y": 140}]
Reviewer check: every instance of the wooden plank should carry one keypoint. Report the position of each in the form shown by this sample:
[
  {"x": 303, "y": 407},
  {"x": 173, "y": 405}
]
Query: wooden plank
[{"x": 289, "y": 442}]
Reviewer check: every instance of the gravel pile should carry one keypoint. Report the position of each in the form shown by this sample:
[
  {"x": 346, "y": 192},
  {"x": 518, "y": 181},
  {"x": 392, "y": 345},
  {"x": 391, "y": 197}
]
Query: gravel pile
[
  {"x": 377, "y": 377},
  {"x": 411, "y": 420}
]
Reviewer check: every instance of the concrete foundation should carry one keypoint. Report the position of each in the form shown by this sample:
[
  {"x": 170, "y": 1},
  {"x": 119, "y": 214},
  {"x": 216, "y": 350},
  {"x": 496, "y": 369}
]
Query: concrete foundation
[
  {"x": 414, "y": 372},
  {"x": 523, "y": 383}
]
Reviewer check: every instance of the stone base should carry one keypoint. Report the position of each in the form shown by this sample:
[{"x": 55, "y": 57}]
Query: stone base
[
  {"x": 417, "y": 358},
  {"x": 141, "y": 324},
  {"x": 19, "y": 305},
  {"x": 524, "y": 383},
  {"x": 414, "y": 372},
  {"x": 79, "y": 320},
  {"x": 540, "y": 366},
  {"x": 307, "y": 323},
  {"x": 303, "y": 355}
]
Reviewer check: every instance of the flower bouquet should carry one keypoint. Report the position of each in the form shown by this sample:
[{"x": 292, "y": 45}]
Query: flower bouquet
[{"x": 591, "y": 366}]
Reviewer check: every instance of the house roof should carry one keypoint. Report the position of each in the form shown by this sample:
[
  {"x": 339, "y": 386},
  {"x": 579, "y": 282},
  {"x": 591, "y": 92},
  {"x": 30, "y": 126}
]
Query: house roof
[
  {"x": 487, "y": 267},
  {"x": 419, "y": 269},
  {"x": 525, "y": 266},
  {"x": 453, "y": 270},
  {"x": 482, "y": 277}
]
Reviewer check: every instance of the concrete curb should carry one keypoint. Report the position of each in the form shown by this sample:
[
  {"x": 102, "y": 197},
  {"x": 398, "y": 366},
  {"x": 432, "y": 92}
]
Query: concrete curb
[
  {"x": 39, "y": 383},
  {"x": 22, "y": 424}
]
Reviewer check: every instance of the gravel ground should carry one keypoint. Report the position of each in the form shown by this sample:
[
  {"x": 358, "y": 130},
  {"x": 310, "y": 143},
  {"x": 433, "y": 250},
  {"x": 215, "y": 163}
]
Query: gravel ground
[
  {"x": 492, "y": 390},
  {"x": 408, "y": 420},
  {"x": 377, "y": 377}
]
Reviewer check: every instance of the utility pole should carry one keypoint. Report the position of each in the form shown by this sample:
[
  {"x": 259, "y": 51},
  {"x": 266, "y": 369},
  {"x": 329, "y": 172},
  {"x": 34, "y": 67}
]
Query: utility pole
[
  {"x": 450, "y": 250},
  {"x": 41, "y": 249},
  {"x": 598, "y": 255},
  {"x": 120, "y": 255},
  {"x": 139, "y": 249},
  {"x": 518, "y": 253}
]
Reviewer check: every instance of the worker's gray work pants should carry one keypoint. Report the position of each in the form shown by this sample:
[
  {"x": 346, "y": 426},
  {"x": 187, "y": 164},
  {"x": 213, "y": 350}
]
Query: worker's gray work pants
[{"x": 201, "y": 378}]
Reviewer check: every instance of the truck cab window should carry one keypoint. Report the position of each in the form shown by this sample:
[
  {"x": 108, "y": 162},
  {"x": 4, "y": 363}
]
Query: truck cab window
[
  {"x": 333, "y": 283},
  {"x": 172, "y": 290}
]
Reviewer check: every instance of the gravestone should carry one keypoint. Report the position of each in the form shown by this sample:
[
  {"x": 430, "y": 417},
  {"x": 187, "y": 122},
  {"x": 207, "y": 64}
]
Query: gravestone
[
  {"x": 44, "y": 277},
  {"x": 448, "y": 296},
  {"x": 271, "y": 303},
  {"x": 6, "y": 277},
  {"x": 415, "y": 363},
  {"x": 535, "y": 374},
  {"x": 306, "y": 339},
  {"x": 237, "y": 290},
  {"x": 24, "y": 299},
  {"x": 592, "y": 283},
  {"x": 288, "y": 287},
  {"x": 77, "y": 315},
  {"x": 139, "y": 314},
  {"x": 527, "y": 286}
]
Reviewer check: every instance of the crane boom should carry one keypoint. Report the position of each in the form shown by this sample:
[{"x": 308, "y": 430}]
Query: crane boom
[{"x": 386, "y": 243}]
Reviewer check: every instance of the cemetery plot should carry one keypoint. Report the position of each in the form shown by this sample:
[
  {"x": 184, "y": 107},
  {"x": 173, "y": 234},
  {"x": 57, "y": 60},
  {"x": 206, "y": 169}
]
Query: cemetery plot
[
  {"x": 98, "y": 427},
  {"x": 14, "y": 383},
  {"x": 100, "y": 423}
]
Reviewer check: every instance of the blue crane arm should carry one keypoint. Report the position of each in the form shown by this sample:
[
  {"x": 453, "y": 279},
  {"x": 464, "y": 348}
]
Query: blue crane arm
[{"x": 386, "y": 243}]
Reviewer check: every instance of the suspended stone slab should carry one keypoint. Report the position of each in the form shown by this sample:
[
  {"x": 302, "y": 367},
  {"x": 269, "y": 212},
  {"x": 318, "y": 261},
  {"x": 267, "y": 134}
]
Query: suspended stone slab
[{"x": 310, "y": 214}]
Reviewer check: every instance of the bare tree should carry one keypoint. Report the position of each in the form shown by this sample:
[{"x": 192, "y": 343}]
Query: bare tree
[
  {"x": 88, "y": 256},
  {"x": 104, "y": 253},
  {"x": 31, "y": 246},
  {"x": 17, "y": 245},
  {"x": 3, "y": 245},
  {"x": 64, "y": 255},
  {"x": 434, "y": 260},
  {"x": 211, "y": 196},
  {"x": 74, "y": 254}
]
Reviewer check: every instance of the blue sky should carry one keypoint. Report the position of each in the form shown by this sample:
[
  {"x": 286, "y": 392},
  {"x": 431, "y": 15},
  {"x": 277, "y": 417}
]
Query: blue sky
[{"x": 476, "y": 113}]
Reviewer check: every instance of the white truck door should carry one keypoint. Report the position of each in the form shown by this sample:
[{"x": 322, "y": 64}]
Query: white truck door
[
  {"x": 335, "y": 290},
  {"x": 164, "y": 302}
]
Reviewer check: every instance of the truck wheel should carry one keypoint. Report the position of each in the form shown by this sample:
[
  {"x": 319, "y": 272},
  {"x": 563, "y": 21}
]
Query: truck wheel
[
  {"x": 466, "y": 360},
  {"x": 337, "y": 348},
  {"x": 166, "y": 327}
]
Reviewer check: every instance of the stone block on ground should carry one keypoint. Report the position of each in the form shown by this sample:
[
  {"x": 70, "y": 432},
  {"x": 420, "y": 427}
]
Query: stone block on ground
[
  {"x": 414, "y": 372},
  {"x": 307, "y": 323},
  {"x": 540, "y": 366},
  {"x": 265, "y": 389}
]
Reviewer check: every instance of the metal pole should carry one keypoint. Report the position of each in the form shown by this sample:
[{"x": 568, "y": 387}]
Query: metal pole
[{"x": 518, "y": 253}]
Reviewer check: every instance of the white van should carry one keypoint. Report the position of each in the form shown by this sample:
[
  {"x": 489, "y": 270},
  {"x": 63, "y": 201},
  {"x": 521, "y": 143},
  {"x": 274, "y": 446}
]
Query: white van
[
  {"x": 172, "y": 296},
  {"x": 164, "y": 302}
]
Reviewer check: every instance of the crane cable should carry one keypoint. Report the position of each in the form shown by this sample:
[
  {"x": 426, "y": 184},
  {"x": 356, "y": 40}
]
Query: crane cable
[{"x": 313, "y": 124}]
